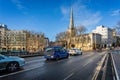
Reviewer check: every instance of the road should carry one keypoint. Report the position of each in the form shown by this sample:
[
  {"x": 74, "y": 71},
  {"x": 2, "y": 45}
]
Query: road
[{"x": 80, "y": 67}]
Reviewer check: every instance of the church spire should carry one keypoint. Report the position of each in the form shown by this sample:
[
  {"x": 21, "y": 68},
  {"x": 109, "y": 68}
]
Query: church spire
[{"x": 71, "y": 25}]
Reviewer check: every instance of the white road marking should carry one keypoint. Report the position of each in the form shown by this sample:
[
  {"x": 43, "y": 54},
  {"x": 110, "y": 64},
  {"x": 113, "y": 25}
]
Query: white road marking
[
  {"x": 68, "y": 76},
  {"x": 20, "y": 71},
  {"x": 34, "y": 61}
]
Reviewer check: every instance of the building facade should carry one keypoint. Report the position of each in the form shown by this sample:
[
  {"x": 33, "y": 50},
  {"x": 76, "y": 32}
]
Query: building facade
[
  {"x": 107, "y": 35},
  {"x": 3, "y": 29},
  {"x": 21, "y": 40},
  {"x": 46, "y": 42},
  {"x": 95, "y": 40},
  {"x": 35, "y": 42},
  {"x": 86, "y": 41},
  {"x": 16, "y": 40}
]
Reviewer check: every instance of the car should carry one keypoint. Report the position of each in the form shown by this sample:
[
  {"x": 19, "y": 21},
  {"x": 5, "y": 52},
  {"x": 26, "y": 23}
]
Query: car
[
  {"x": 55, "y": 52},
  {"x": 75, "y": 51},
  {"x": 108, "y": 48},
  {"x": 115, "y": 51},
  {"x": 11, "y": 63}
]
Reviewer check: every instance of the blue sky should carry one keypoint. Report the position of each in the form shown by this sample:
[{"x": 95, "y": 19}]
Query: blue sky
[{"x": 52, "y": 16}]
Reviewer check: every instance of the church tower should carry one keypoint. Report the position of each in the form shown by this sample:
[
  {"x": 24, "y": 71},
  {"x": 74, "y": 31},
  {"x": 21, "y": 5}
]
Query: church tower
[{"x": 71, "y": 28}]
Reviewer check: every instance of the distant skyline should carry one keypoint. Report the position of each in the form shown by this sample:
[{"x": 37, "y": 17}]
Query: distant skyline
[{"x": 52, "y": 16}]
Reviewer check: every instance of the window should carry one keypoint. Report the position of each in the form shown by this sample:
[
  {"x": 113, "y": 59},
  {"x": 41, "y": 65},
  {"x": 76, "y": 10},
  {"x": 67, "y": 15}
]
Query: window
[
  {"x": 49, "y": 50},
  {"x": 58, "y": 50}
]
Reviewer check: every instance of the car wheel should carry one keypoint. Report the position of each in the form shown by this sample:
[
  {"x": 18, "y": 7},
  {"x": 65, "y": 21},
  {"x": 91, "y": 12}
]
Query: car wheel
[
  {"x": 67, "y": 56},
  {"x": 13, "y": 66},
  {"x": 47, "y": 59},
  {"x": 81, "y": 53},
  {"x": 57, "y": 58}
]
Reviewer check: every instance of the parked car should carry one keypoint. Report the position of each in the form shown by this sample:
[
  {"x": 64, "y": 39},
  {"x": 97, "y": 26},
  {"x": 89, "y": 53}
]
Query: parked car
[
  {"x": 56, "y": 52},
  {"x": 115, "y": 51},
  {"x": 10, "y": 63},
  {"x": 75, "y": 51}
]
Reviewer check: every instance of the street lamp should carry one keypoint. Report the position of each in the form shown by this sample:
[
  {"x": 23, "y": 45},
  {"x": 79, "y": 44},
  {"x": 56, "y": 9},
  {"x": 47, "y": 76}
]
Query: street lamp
[{"x": 95, "y": 40}]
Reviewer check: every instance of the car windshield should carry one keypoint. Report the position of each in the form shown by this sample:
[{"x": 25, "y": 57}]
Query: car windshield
[{"x": 49, "y": 50}]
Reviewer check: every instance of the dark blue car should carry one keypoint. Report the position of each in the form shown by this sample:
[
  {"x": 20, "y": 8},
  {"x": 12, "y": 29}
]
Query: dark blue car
[{"x": 56, "y": 52}]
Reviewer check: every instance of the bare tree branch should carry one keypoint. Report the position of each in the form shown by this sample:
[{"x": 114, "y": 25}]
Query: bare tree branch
[
  {"x": 61, "y": 36},
  {"x": 81, "y": 30},
  {"x": 117, "y": 28}
]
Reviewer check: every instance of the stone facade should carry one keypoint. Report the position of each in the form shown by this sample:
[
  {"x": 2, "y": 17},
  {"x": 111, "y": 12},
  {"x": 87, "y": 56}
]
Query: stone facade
[
  {"x": 21, "y": 40},
  {"x": 85, "y": 41},
  {"x": 3, "y": 29},
  {"x": 16, "y": 40}
]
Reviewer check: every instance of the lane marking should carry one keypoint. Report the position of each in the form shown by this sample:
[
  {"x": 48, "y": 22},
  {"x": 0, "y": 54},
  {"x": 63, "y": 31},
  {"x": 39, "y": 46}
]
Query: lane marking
[
  {"x": 32, "y": 66},
  {"x": 34, "y": 61},
  {"x": 35, "y": 58},
  {"x": 20, "y": 71},
  {"x": 68, "y": 76}
]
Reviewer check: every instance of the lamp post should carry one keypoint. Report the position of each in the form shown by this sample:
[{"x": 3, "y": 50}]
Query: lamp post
[{"x": 95, "y": 40}]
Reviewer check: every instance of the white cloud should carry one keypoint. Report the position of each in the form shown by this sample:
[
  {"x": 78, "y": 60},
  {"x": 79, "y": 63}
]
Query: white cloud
[
  {"x": 93, "y": 19},
  {"x": 82, "y": 14},
  {"x": 20, "y": 6},
  {"x": 64, "y": 10},
  {"x": 115, "y": 12}
]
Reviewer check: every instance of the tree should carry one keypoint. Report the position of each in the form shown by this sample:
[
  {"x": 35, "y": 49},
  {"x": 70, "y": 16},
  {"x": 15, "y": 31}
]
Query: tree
[
  {"x": 80, "y": 32},
  {"x": 117, "y": 28},
  {"x": 61, "y": 36},
  {"x": 117, "y": 31}
]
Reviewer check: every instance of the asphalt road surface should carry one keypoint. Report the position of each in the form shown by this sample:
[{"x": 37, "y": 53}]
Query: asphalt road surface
[{"x": 81, "y": 67}]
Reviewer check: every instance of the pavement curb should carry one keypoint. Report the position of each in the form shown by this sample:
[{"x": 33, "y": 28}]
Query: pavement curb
[
  {"x": 99, "y": 67},
  {"x": 105, "y": 68},
  {"x": 116, "y": 77}
]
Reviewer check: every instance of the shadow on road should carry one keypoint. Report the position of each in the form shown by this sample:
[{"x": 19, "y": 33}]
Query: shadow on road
[{"x": 5, "y": 72}]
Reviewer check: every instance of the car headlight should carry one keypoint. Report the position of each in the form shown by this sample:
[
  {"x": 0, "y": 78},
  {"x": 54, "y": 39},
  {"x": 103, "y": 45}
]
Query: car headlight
[{"x": 52, "y": 56}]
